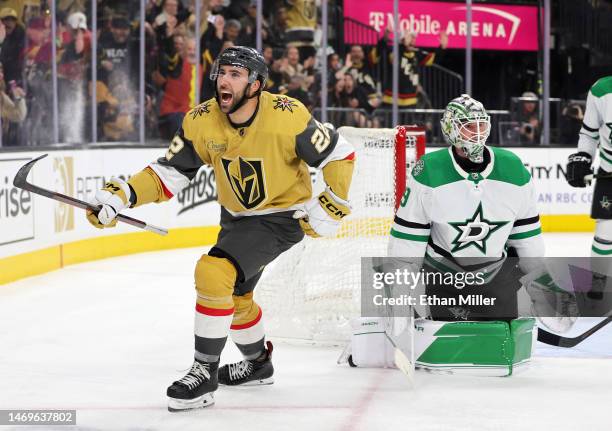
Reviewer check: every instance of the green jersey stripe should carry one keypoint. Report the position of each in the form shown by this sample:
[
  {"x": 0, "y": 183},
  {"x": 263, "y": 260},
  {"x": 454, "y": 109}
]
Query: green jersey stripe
[
  {"x": 401, "y": 235},
  {"x": 527, "y": 234},
  {"x": 600, "y": 251}
]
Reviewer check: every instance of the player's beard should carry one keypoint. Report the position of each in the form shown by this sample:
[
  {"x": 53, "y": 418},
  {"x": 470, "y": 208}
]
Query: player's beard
[{"x": 229, "y": 99}]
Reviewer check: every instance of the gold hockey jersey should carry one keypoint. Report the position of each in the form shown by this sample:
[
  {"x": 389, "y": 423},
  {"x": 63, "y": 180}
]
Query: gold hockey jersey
[{"x": 259, "y": 169}]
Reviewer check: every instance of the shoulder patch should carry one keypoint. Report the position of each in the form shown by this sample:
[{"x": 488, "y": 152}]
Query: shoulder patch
[
  {"x": 284, "y": 103},
  {"x": 418, "y": 168},
  {"x": 200, "y": 110}
]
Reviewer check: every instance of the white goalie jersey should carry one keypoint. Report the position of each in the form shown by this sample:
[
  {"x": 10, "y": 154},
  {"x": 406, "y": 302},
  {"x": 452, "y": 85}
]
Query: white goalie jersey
[
  {"x": 448, "y": 214},
  {"x": 597, "y": 123}
]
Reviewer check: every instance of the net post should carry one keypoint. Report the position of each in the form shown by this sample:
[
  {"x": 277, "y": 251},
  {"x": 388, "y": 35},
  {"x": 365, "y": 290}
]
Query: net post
[{"x": 400, "y": 164}]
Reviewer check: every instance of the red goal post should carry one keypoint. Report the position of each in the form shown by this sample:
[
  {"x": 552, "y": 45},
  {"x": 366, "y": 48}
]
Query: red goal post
[{"x": 408, "y": 139}]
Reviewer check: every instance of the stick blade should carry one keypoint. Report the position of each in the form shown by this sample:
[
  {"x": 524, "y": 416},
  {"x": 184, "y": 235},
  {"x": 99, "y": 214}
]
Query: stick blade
[{"x": 21, "y": 176}]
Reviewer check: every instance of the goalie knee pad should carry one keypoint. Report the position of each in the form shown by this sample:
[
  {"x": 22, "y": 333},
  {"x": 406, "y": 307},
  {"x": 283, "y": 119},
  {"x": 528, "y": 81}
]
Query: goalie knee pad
[{"x": 493, "y": 348}]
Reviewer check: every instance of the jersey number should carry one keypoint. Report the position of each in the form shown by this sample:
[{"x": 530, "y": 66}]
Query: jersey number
[
  {"x": 320, "y": 138},
  {"x": 176, "y": 145}
]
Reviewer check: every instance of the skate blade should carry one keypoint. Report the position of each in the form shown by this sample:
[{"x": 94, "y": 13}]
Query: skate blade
[
  {"x": 257, "y": 382},
  {"x": 178, "y": 405}
]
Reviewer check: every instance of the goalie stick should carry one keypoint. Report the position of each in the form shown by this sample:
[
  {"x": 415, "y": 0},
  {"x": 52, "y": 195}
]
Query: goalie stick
[
  {"x": 560, "y": 341},
  {"x": 20, "y": 181}
]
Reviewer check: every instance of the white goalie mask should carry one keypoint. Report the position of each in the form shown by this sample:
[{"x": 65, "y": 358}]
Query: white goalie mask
[{"x": 466, "y": 125}]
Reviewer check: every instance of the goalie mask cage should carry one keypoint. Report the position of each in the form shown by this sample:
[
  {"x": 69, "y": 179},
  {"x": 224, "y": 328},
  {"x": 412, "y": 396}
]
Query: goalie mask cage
[{"x": 312, "y": 291}]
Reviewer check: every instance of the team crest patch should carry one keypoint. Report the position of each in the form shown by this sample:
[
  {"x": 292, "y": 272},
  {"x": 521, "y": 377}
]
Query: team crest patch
[
  {"x": 418, "y": 168},
  {"x": 284, "y": 103},
  {"x": 200, "y": 110},
  {"x": 605, "y": 203},
  {"x": 246, "y": 179},
  {"x": 475, "y": 231}
]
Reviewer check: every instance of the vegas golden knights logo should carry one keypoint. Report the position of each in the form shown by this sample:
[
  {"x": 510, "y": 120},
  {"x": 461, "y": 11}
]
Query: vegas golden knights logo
[
  {"x": 64, "y": 183},
  {"x": 246, "y": 178}
]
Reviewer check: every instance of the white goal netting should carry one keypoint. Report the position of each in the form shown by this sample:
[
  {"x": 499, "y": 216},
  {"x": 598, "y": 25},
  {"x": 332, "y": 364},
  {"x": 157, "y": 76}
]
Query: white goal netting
[{"x": 312, "y": 291}]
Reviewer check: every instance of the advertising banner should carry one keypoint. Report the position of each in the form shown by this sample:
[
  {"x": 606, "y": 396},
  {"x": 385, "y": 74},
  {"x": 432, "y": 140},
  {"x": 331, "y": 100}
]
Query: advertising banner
[{"x": 494, "y": 26}]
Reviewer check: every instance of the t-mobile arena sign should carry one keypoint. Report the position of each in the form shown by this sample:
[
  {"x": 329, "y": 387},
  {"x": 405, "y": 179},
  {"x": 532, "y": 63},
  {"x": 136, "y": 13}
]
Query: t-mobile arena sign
[{"x": 494, "y": 26}]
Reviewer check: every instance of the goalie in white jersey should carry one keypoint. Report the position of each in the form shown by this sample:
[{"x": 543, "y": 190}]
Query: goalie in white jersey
[
  {"x": 463, "y": 208},
  {"x": 596, "y": 133}
]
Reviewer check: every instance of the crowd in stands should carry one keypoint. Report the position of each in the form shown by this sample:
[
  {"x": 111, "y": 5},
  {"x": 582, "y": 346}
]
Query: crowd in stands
[
  {"x": 288, "y": 34},
  {"x": 359, "y": 80}
]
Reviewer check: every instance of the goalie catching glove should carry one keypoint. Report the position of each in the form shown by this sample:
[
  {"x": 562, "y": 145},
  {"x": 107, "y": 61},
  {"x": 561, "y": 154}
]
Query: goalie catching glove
[
  {"x": 323, "y": 215},
  {"x": 112, "y": 199}
]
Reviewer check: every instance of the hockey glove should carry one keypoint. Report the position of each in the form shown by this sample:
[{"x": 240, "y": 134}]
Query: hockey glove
[
  {"x": 112, "y": 199},
  {"x": 554, "y": 308},
  {"x": 323, "y": 215},
  {"x": 578, "y": 166}
]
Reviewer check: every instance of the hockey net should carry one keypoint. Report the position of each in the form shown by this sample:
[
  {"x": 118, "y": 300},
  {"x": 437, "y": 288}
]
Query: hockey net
[{"x": 313, "y": 290}]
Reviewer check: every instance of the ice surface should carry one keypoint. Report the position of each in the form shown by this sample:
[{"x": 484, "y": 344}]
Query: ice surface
[{"x": 107, "y": 337}]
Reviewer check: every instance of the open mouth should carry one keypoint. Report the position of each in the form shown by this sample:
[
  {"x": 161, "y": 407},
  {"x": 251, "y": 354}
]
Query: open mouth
[{"x": 226, "y": 97}]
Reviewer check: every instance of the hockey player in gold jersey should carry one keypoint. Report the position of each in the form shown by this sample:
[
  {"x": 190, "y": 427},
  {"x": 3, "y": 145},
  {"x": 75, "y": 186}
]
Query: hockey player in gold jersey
[{"x": 260, "y": 146}]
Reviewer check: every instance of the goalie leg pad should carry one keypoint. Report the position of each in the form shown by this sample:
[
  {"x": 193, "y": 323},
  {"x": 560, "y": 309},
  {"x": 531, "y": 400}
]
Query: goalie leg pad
[
  {"x": 493, "y": 348},
  {"x": 370, "y": 347}
]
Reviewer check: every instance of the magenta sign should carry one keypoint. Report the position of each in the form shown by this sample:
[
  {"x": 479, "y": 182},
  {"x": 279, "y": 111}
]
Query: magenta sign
[{"x": 498, "y": 27}]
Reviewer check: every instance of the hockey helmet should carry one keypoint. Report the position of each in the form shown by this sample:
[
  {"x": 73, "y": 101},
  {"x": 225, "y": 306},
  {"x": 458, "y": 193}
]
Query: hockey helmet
[
  {"x": 466, "y": 125},
  {"x": 245, "y": 57}
]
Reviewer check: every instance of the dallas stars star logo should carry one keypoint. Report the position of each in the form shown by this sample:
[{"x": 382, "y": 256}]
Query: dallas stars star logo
[
  {"x": 200, "y": 110},
  {"x": 605, "y": 203},
  {"x": 474, "y": 231},
  {"x": 283, "y": 103}
]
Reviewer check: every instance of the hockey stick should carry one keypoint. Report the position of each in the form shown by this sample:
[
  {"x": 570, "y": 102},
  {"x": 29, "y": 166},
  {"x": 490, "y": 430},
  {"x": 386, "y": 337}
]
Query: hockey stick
[
  {"x": 589, "y": 178},
  {"x": 21, "y": 182},
  {"x": 560, "y": 341}
]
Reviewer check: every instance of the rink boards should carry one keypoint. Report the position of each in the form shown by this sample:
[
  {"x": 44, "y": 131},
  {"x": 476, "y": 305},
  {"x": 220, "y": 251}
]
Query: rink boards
[{"x": 39, "y": 234}]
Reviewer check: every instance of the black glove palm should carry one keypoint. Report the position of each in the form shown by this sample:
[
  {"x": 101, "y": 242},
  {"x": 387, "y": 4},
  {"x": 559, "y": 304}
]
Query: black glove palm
[{"x": 578, "y": 166}]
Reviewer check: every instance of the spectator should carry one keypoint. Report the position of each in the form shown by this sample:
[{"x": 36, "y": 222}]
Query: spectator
[
  {"x": 529, "y": 119},
  {"x": 117, "y": 108},
  {"x": 571, "y": 122},
  {"x": 179, "y": 93},
  {"x": 301, "y": 25},
  {"x": 167, "y": 23},
  {"x": 337, "y": 98},
  {"x": 72, "y": 79},
  {"x": 295, "y": 89},
  {"x": 356, "y": 98},
  {"x": 291, "y": 64},
  {"x": 232, "y": 30},
  {"x": 211, "y": 45},
  {"x": 118, "y": 52},
  {"x": 357, "y": 66},
  {"x": 278, "y": 30},
  {"x": 275, "y": 74},
  {"x": 71, "y": 6},
  {"x": 12, "y": 44},
  {"x": 37, "y": 68},
  {"x": 248, "y": 22},
  {"x": 13, "y": 110},
  {"x": 411, "y": 58}
]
